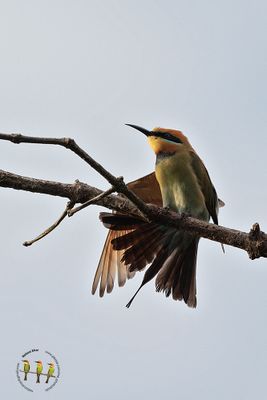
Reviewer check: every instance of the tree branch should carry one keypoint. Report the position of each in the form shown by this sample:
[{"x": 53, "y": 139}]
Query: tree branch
[
  {"x": 70, "y": 144},
  {"x": 78, "y": 192},
  {"x": 254, "y": 242}
]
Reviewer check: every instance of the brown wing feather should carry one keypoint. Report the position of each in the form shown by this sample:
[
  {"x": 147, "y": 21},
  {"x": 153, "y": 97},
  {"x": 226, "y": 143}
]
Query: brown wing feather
[
  {"x": 207, "y": 187},
  {"x": 147, "y": 188}
]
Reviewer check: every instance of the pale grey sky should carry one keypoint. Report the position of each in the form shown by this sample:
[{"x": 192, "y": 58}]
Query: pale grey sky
[{"x": 83, "y": 69}]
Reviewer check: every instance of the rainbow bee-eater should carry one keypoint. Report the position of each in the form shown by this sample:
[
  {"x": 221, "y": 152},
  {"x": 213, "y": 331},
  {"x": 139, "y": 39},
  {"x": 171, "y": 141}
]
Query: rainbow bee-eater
[
  {"x": 50, "y": 371},
  {"x": 182, "y": 184},
  {"x": 39, "y": 370},
  {"x": 26, "y": 368}
]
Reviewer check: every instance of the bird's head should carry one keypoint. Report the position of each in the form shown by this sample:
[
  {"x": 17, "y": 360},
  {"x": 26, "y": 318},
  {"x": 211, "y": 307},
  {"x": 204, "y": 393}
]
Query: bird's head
[
  {"x": 39, "y": 362},
  {"x": 165, "y": 140},
  {"x": 26, "y": 361},
  {"x": 51, "y": 364}
]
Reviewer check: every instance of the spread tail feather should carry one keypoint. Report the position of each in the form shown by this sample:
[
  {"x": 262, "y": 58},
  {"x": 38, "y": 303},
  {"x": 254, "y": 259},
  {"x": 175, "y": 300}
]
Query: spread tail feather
[
  {"x": 178, "y": 274},
  {"x": 172, "y": 255},
  {"x": 110, "y": 264},
  {"x": 151, "y": 272}
]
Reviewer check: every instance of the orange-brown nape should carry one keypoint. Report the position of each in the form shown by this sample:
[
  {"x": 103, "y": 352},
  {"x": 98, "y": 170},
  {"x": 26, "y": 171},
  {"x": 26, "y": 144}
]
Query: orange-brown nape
[{"x": 167, "y": 140}]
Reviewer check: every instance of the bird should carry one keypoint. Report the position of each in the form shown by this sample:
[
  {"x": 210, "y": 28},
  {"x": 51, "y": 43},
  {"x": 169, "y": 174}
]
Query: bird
[
  {"x": 39, "y": 369},
  {"x": 26, "y": 368},
  {"x": 180, "y": 183},
  {"x": 50, "y": 371}
]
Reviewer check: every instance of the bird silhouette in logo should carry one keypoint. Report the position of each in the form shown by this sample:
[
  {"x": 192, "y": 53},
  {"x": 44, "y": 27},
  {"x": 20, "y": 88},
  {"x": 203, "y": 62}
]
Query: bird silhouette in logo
[
  {"x": 39, "y": 369},
  {"x": 50, "y": 371},
  {"x": 26, "y": 368}
]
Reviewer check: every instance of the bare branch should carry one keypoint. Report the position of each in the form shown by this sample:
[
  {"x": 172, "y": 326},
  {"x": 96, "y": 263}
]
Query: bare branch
[
  {"x": 69, "y": 206},
  {"x": 70, "y": 144},
  {"x": 254, "y": 243},
  {"x": 78, "y": 192}
]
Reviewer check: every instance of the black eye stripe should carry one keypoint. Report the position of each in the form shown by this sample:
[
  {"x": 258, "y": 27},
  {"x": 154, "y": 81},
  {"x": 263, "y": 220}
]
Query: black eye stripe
[{"x": 168, "y": 136}]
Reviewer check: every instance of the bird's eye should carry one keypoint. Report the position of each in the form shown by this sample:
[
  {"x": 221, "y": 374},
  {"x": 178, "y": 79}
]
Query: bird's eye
[
  {"x": 167, "y": 136},
  {"x": 172, "y": 138}
]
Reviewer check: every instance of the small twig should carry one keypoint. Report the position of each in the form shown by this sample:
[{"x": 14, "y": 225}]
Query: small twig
[
  {"x": 256, "y": 244},
  {"x": 94, "y": 200},
  {"x": 70, "y": 204},
  {"x": 255, "y": 232}
]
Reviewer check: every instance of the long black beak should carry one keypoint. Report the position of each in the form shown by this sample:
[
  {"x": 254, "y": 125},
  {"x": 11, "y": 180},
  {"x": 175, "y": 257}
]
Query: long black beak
[{"x": 139, "y": 128}]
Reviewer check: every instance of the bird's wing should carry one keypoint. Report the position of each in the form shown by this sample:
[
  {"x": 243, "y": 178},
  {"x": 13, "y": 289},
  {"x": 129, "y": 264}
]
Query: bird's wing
[
  {"x": 206, "y": 185},
  {"x": 147, "y": 188}
]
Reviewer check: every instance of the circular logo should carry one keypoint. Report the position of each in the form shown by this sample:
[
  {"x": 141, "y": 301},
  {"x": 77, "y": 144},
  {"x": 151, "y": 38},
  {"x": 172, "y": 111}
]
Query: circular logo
[{"x": 38, "y": 370}]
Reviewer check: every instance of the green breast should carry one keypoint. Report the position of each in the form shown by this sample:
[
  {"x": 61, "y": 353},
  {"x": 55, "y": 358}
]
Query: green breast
[
  {"x": 26, "y": 368},
  {"x": 39, "y": 369},
  {"x": 179, "y": 185}
]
